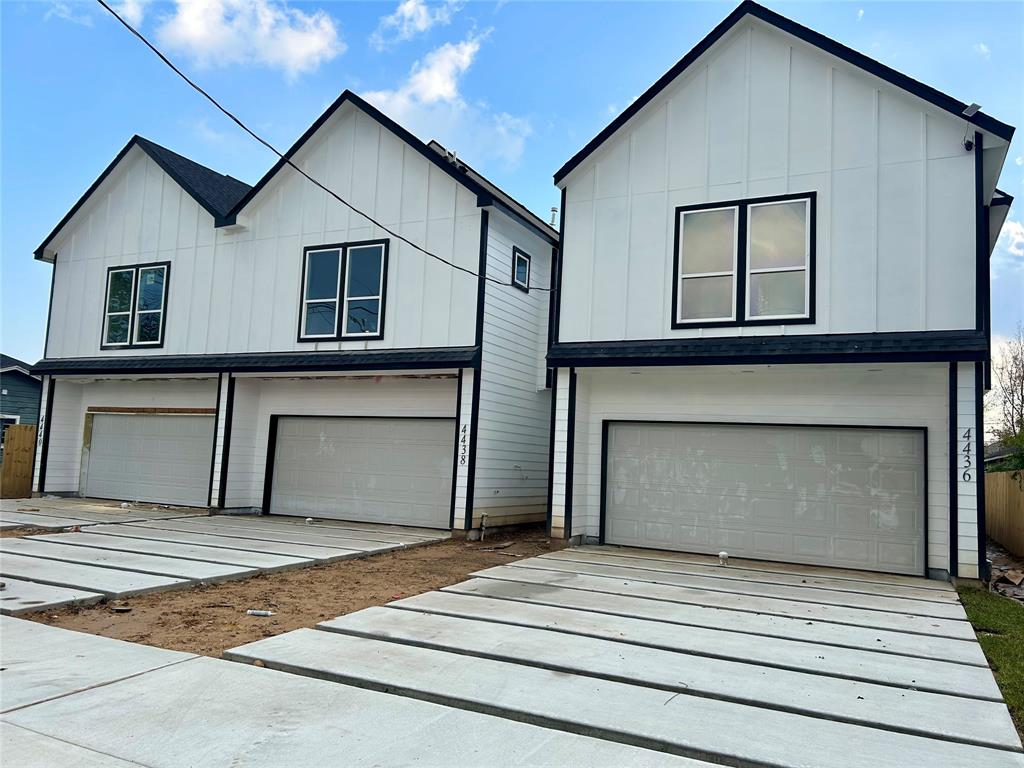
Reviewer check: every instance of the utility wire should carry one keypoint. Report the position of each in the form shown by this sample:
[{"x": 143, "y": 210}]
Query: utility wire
[{"x": 287, "y": 160}]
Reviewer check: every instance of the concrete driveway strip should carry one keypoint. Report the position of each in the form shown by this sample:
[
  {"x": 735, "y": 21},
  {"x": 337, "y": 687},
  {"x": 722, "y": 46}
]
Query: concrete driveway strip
[
  {"x": 901, "y": 622},
  {"x": 796, "y": 655},
  {"x": 41, "y": 662},
  {"x": 808, "y": 580},
  {"x": 46, "y": 522},
  {"x": 380, "y": 533},
  {"x": 740, "y": 622},
  {"x": 875, "y": 578},
  {"x": 872, "y": 602},
  {"x": 191, "y": 570},
  {"x": 208, "y": 712},
  {"x": 265, "y": 562},
  {"x": 324, "y": 554},
  {"x": 27, "y": 596},
  {"x": 109, "y": 581},
  {"x": 266, "y": 534},
  {"x": 891, "y": 707},
  {"x": 708, "y": 729},
  {"x": 26, "y": 749}
]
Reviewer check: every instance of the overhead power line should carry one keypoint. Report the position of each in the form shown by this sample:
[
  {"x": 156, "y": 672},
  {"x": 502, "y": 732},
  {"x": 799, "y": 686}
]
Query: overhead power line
[{"x": 231, "y": 116}]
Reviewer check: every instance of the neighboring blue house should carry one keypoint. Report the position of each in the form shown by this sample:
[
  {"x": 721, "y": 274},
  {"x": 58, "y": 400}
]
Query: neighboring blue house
[{"x": 19, "y": 395}]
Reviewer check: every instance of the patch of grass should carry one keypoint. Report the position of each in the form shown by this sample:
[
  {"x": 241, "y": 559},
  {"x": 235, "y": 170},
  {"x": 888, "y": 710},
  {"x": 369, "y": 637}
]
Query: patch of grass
[{"x": 999, "y": 623}]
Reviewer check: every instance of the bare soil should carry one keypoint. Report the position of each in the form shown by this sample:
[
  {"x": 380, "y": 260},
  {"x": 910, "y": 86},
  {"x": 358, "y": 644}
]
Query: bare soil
[
  {"x": 17, "y": 533},
  {"x": 207, "y": 620}
]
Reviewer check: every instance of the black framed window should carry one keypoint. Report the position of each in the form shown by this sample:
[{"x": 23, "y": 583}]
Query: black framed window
[
  {"x": 343, "y": 291},
  {"x": 521, "y": 264},
  {"x": 135, "y": 306},
  {"x": 745, "y": 262}
]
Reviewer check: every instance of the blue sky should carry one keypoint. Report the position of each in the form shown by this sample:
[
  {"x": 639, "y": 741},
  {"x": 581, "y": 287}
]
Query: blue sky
[{"x": 515, "y": 87}]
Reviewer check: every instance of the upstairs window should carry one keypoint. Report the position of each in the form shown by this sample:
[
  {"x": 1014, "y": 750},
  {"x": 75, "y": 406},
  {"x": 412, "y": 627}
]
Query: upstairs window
[
  {"x": 521, "y": 263},
  {"x": 135, "y": 306},
  {"x": 343, "y": 291},
  {"x": 747, "y": 262}
]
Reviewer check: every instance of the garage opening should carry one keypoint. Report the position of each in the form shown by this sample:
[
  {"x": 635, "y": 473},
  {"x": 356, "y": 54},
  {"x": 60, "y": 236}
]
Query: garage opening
[
  {"x": 851, "y": 497},
  {"x": 157, "y": 458},
  {"x": 396, "y": 471}
]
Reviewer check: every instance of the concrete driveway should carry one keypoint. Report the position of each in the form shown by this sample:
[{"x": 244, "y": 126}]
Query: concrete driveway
[
  {"x": 591, "y": 656},
  {"x": 114, "y": 553}
]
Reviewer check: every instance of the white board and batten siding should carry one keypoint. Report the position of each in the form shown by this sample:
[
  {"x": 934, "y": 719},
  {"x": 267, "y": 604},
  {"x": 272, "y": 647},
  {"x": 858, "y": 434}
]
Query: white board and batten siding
[
  {"x": 905, "y": 395},
  {"x": 257, "y": 399},
  {"x": 515, "y": 409},
  {"x": 239, "y": 291},
  {"x": 760, "y": 114},
  {"x": 71, "y": 401}
]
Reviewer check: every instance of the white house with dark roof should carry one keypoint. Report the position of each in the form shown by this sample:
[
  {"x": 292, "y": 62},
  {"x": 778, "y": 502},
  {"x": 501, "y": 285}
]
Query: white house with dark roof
[
  {"x": 771, "y": 332},
  {"x": 266, "y": 347}
]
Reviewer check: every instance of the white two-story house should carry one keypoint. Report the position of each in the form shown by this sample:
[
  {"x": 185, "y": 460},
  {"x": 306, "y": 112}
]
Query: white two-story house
[
  {"x": 772, "y": 328},
  {"x": 268, "y": 348}
]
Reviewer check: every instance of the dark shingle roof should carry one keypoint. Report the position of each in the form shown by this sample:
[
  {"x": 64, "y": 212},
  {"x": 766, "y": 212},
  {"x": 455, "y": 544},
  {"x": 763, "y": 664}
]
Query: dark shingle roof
[
  {"x": 216, "y": 192},
  {"x": 6, "y": 361}
]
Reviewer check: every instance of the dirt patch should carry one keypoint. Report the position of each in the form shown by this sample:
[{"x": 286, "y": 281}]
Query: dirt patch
[
  {"x": 208, "y": 620},
  {"x": 17, "y": 533}
]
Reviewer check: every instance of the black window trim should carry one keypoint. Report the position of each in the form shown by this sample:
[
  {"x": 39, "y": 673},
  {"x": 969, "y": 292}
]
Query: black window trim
[
  {"x": 131, "y": 343},
  {"x": 339, "y": 320},
  {"x": 519, "y": 253},
  {"x": 741, "y": 276}
]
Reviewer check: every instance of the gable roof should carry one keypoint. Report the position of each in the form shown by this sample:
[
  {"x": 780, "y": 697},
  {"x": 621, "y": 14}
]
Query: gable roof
[
  {"x": 827, "y": 44},
  {"x": 486, "y": 192},
  {"x": 215, "y": 192},
  {"x": 8, "y": 363}
]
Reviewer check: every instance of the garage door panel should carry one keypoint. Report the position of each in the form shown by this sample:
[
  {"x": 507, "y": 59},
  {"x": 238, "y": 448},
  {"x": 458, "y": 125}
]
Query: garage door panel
[
  {"x": 157, "y": 458},
  {"x": 831, "y": 496},
  {"x": 396, "y": 471}
]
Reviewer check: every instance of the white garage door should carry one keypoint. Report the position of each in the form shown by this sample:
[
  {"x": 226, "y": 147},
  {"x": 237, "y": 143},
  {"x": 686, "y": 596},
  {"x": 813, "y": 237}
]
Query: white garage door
[
  {"x": 827, "y": 496},
  {"x": 396, "y": 471},
  {"x": 157, "y": 458}
]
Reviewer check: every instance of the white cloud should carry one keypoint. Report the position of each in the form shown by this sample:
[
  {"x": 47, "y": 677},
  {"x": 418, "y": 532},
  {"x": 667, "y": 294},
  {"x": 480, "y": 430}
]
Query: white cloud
[
  {"x": 412, "y": 18},
  {"x": 430, "y": 102},
  {"x": 1018, "y": 160},
  {"x": 251, "y": 32},
  {"x": 131, "y": 11},
  {"x": 982, "y": 50},
  {"x": 1008, "y": 256},
  {"x": 68, "y": 12},
  {"x": 860, "y": 14},
  {"x": 201, "y": 128}
]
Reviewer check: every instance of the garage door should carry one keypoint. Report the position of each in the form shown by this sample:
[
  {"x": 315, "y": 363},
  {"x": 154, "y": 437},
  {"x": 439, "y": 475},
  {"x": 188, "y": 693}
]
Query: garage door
[
  {"x": 156, "y": 458},
  {"x": 396, "y": 471},
  {"x": 826, "y": 496}
]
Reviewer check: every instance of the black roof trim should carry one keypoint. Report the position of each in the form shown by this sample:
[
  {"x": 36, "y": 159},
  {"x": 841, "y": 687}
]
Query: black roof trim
[
  {"x": 272, "y": 362},
  {"x": 827, "y": 44},
  {"x": 481, "y": 188},
  {"x": 910, "y": 346},
  {"x": 1002, "y": 198},
  {"x": 215, "y": 192},
  {"x": 499, "y": 198}
]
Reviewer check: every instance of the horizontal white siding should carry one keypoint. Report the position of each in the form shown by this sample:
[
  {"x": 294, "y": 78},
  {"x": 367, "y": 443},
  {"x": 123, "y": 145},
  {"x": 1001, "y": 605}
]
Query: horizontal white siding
[
  {"x": 257, "y": 399},
  {"x": 866, "y": 395},
  {"x": 765, "y": 114},
  {"x": 71, "y": 400},
  {"x": 968, "y": 465},
  {"x": 515, "y": 410},
  {"x": 240, "y": 291}
]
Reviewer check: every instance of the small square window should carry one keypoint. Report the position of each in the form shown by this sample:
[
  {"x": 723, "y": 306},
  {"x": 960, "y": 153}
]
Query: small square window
[{"x": 521, "y": 263}]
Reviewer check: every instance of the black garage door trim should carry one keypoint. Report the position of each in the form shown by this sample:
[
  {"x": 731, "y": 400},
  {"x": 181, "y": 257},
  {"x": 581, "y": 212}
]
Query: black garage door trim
[{"x": 606, "y": 424}]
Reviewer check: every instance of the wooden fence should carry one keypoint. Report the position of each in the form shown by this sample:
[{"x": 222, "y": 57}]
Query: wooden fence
[
  {"x": 16, "y": 469},
  {"x": 1004, "y": 510}
]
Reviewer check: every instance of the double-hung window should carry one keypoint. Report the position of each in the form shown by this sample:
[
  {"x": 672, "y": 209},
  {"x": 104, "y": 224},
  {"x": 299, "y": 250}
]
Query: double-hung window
[
  {"x": 135, "y": 306},
  {"x": 343, "y": 291},
  {"x": 745, "y": 262}
]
